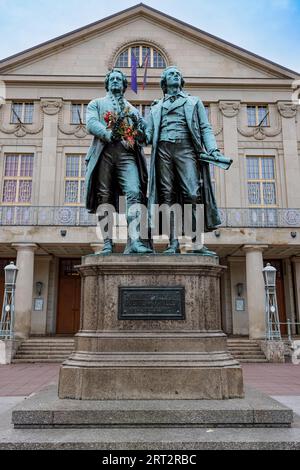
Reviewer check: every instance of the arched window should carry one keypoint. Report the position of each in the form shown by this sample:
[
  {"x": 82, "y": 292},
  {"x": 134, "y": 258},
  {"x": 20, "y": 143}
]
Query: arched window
[{"x": 155, "y": 58}]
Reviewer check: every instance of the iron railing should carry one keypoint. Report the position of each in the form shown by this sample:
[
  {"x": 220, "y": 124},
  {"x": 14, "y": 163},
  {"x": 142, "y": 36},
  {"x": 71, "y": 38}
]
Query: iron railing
[{"x": 78, "y": 216}]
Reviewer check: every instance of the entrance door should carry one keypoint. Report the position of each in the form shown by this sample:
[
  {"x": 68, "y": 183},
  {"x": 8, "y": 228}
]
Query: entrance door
[
  {"x": 279, "y": 292},
  {"x": 68, "y": 307}
]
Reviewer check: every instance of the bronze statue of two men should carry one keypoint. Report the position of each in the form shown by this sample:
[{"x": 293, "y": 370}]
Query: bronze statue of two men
[{"x": 183, "y": 146}]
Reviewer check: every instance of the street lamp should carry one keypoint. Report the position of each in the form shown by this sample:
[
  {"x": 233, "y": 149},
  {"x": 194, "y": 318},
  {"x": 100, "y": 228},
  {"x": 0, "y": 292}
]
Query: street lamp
[
  {"x": 8, "y": 308},
  {"x": 272, "y": 318}
]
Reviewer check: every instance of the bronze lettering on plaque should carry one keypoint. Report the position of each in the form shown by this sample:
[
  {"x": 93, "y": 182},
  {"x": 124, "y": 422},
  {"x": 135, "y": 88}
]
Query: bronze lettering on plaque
[{"x": 151, "y": 303}]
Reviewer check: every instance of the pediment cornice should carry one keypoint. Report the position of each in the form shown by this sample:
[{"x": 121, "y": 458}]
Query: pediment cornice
[{"x": 148, "y": 13}]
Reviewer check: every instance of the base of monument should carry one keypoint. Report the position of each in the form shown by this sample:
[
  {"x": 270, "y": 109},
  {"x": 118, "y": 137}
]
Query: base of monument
[
  {"x": 45, "y": 410},
  {"x": 150, "y": 330},
  {"x": 151, "y": 376}
]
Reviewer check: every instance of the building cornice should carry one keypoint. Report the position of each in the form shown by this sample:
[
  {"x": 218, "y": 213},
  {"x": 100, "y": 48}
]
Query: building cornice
[{"x": 152, "y": 81}]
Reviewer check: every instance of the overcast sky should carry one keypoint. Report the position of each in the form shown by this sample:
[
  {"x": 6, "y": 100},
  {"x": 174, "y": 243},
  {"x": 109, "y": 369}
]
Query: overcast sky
[{"x": 270, "y": 28}]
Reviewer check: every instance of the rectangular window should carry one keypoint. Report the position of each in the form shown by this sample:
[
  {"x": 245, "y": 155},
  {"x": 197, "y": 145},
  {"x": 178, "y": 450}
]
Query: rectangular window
[
  {"x": 22, "y": 112},
  {"x": 74, "y": 179},
  {"x": 78, "y": 113},
  {"x": 258, "y": 115},
  {"x": 261, "y": 181},
  {"x": 17, "y": 183},
  {"x": 158, "y": 60}
]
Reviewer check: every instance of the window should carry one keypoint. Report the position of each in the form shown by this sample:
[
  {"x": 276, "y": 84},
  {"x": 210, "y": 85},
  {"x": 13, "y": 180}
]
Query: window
[
  {"x": 21, "y": 112},
  {"x": 74, "y": 180},
  {"x": 261, "y": 181},
  {"x": 258, "y": 115},
  {"x": 78, "y": 113},
  {"x": 144, "y": 109},
  {"x": 17, "y": 183},
  {"x": 155, "y": 58}
]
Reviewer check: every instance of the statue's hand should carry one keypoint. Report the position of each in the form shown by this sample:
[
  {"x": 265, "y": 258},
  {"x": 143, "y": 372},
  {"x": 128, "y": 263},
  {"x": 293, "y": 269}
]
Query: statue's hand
[
  {"x": 107, "y": 137},
  {"x": 216, "y": 153}
]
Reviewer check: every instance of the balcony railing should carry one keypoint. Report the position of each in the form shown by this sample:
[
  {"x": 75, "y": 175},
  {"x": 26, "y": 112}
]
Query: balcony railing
[{"x": 78, "y": 216}]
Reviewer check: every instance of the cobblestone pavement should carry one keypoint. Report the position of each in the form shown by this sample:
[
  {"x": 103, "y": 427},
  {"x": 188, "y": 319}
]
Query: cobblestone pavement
[{"x": 272, "y": 379}]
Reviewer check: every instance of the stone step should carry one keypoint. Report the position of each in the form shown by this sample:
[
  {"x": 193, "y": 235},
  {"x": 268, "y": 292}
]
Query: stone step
[
  {"x": 31, "y": 361},
  {"x": 43, "y": 353},
  {"x": 246, "y": 351},
  {"x": 254, "y": 361},
  {"x": 249, "y": 356},
  {"x": 34, "y": 351},
  {"x": 50, "y": 346},
  {"x": 241, "y": 344},
  {"x": 52, "y": 343}
]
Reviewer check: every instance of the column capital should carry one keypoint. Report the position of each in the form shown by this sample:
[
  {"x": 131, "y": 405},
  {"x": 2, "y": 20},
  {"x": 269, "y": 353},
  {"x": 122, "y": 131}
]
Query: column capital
[
  {"x": 250, "y": 248},
  {"x": 296, "y": 259},
  {"x": 229, "y": 108},
  {"x": 287, "y": 109},
  {"x": 24, "y": 246},
  {"x": 51, "y": 106}
]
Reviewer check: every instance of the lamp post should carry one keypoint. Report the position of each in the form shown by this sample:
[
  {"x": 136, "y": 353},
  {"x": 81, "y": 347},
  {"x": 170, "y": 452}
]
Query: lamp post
[
  {"x": 272, "y": 318},
  {"x": 7, "y": 316}
]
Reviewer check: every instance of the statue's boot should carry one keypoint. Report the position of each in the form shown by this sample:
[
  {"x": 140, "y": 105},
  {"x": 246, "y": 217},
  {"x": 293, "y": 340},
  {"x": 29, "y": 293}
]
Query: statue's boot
[
  {"x": 173, "y": 247},
  {"x": 137, "y": 246},
  {"x": 107, "y": 248},
  {"x": 204, "y": 251}
]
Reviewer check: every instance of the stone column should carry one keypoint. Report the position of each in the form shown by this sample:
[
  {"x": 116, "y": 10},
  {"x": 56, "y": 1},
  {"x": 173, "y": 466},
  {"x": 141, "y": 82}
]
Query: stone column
[
  {"x": 296, "y": 263},
  {"x": 230, "y": 110},
  {"x": 288, "y": 112},
  {"x": 51, "y": 108},
  {"x": 255, "y": 290},
  {"x": 24, "y": 285}
]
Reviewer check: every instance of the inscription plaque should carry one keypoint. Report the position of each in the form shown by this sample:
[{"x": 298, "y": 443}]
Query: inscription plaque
[{"x": 151, "y": 303}]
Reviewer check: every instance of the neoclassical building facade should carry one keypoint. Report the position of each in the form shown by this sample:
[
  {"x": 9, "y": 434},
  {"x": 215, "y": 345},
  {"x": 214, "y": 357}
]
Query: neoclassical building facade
[{"x": 43, "y": 142}]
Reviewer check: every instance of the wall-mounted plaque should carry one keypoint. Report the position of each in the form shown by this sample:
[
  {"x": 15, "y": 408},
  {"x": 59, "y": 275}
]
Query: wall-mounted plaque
[
  {"x": 38, "y": 304},
  {"x": 151, "y": 303},
  {"x": 240, "y": 305}
]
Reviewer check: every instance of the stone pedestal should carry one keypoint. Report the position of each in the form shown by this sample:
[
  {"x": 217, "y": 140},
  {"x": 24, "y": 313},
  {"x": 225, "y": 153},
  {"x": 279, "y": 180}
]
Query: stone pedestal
[
  {"x": 117, "y": 359},
  {"x": 8, "y": 349}
]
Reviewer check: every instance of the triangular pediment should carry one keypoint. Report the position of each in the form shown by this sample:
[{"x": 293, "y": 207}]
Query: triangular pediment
[{"x": 90, "y": 50}]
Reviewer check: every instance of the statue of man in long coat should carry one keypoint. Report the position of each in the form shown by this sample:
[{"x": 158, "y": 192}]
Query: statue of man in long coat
[
  {"x": 113, "y": 168},
  {"x": 183, "y": 145}
]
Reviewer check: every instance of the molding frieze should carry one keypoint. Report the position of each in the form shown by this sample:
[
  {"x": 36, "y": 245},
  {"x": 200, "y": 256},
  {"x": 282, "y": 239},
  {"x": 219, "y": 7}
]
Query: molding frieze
[
  {"x": 260, "y": 132},
  {"x": 134, "y": 42},
  {"x": 287, "y": 109},
  {"x": 78, "y": 130},
  {"x": 229, "y": 109},
  {"x": 51, "y": 106},
  {"x": 20, "y": 129}
]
